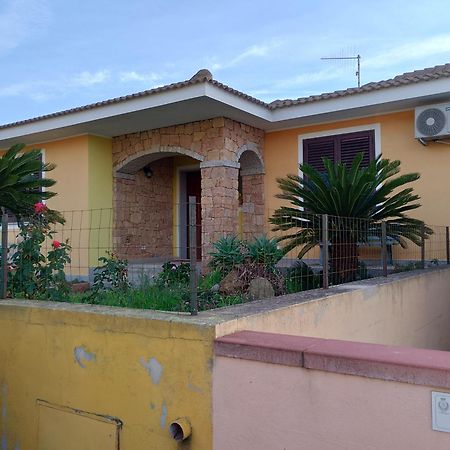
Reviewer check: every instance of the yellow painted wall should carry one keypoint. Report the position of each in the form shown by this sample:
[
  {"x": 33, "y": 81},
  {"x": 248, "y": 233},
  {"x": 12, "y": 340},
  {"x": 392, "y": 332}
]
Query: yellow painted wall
[
  {"x": 100, "y": 197},
  {"x": 142, "y": 367},
  {"x": 71, "y": 157},
  {"x": 397, "y": 142},
  {"x": 84, "y": 190}
]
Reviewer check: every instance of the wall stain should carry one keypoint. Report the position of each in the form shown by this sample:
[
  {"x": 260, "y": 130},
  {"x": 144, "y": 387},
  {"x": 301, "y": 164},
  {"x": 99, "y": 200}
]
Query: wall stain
[
  {"x": 80, "y": 353},
  {"x": 162, "y": 420},
  {"x": 4, "y": 402},
  {"x": 154, "y": 369}
]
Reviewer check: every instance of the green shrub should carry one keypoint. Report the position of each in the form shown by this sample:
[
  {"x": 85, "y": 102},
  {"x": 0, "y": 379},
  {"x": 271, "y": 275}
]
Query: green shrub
[
  {"x": 206, "y": 282},
  {"x": 37, "y": 274},
  {"x": 263, "y": 250},
  {"x": 301, "y": 278},
  {"x": 229, "y": 251},
  {"x": 407, "y": 267},
  {"x": 112, "y": 274},
  {"x": 173, "y": 274}
]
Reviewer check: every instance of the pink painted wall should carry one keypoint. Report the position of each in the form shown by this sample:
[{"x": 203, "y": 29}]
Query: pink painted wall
[{"x": 261, "y": 406}]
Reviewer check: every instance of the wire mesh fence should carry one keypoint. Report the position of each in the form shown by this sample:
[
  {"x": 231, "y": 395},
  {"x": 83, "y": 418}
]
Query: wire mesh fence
[{"x": 199, "y": 257}]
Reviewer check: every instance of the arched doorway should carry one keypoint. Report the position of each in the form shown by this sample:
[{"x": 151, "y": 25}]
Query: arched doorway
[{"x": 151, "y": 191}]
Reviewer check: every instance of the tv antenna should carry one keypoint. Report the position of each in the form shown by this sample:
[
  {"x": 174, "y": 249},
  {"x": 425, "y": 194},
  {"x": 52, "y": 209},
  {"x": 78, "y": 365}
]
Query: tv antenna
[{"x": 358, "y": 59}]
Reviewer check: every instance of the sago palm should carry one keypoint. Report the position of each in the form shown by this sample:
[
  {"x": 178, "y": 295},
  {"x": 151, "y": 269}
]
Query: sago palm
[
  {"x": 357, "y": 199},
  {"x": 20, "y": 187}
]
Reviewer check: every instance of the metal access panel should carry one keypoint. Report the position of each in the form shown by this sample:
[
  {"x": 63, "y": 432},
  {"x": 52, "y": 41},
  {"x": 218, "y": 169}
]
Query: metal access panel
[
  {"x": 440, "y": 413},
  {"x": 63, "y": 428}
]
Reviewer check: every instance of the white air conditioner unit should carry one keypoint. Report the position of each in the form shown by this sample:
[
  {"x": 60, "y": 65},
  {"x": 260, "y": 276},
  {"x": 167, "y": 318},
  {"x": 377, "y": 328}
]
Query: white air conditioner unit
[{"x": 433, "y": 122}]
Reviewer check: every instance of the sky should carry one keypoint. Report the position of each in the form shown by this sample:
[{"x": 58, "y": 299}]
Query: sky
[{"x": 58, "y": 54}]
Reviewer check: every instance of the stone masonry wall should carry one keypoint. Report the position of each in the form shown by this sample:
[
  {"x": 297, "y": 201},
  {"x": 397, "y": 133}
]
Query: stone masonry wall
[
  {"x": 216, "y": 144},
  {"x": 253, "y": 214},
  {"x": 143, "y": 213}
]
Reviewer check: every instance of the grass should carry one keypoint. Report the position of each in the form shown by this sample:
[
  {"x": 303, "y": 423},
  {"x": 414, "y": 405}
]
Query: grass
[
  {"x": 157, "y": 297},
  {"x": 172, "y": 298}
]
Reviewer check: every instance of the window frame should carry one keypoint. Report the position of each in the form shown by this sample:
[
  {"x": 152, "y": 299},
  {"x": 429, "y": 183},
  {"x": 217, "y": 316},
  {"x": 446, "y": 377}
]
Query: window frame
[{"x": 375, "y": 127}]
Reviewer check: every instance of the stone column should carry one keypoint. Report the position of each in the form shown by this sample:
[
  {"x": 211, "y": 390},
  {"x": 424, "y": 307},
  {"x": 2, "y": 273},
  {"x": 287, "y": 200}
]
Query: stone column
[{"x": 220, "y": 202}]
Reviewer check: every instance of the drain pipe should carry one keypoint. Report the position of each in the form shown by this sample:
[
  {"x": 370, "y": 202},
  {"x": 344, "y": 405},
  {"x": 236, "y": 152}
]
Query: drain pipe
[{"x": 180, "y": 429}]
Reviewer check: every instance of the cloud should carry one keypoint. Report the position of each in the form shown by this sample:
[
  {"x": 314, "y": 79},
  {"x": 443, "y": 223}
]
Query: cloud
[
  {"x": 20, "y": 20},
  {"x": 140, "y": 77},
  {"x": 410, "y": 51},
  {"x": 43, "y": 90},
  {"x": 87, "y": 78},
  {"x": 255, "y": 51}
]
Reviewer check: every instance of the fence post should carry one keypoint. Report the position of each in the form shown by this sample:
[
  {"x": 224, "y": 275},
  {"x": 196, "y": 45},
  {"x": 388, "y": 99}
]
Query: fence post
[
  {"x": 193, "y": 254},
  {"x": 384, "y": 253},
  {"x": 447, "y": 243},
  {"x": 325, "y": 250},
  {"x": 422, "y": 249},
  {"x": 4, "y": 268}
]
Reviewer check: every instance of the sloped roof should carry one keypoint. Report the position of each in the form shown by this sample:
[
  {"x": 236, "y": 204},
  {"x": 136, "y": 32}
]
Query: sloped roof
[
  {"x": 204, "y": 76},
  {"x": 428, "y": 74}
]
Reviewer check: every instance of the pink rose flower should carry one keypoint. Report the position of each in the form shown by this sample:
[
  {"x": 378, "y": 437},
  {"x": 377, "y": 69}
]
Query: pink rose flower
[
  {"x": 39, "y": 208},
  {"x": 56, "y": 244}
]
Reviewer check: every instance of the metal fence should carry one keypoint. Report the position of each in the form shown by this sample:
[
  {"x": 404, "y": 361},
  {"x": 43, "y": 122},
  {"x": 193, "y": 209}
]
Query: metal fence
[{"x": 338, "y": 249}]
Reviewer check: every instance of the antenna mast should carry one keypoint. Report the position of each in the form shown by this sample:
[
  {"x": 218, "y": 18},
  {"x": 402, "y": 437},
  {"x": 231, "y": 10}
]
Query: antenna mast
[{"x": 358, "y": 59}]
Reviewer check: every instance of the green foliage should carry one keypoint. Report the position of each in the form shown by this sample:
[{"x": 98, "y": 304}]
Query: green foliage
[
  {"x": 263, "y": 250},
  {"x": 407, "y": 267},
  {"x": 301, "y": 278},
  {"x": 113, "y": 273},
  {"x": 368, "y": 195},
  {"x": 173, "y": 274},
  {"x": 38, "y": 274},
  {"x": 229, "y": 251},
  {"x": 208, "y": 281},
  {"x": 20, "y": 188},
  {"x": 147, "y": 296}
]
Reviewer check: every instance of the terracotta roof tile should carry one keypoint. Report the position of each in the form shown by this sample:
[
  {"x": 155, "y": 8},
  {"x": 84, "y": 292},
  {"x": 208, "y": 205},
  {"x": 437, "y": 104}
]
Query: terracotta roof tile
[{"x": 431, "y": 73}]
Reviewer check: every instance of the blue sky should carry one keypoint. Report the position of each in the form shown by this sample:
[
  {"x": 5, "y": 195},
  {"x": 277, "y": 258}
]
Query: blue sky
[{"x": 57, "y": 54}]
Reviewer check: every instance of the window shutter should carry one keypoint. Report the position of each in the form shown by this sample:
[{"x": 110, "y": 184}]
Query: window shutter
[
  {"x": 316, "y": 149},
  {"x": 353, "y": 143}
]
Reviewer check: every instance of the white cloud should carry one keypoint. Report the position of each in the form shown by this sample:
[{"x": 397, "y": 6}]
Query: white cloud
[
  {"x": 20, "y": 20},
  {"x": 87, "y": 78},
  {"x": 410, "y": 51},
  {"x": 140, "y": 77},
  {"x": 43, "y": 90},
  {"x": 255, "y": 51}
]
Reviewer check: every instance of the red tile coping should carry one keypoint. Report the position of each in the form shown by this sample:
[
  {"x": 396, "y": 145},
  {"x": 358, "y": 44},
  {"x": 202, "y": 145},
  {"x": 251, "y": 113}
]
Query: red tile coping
[{"x": 385, "y": 362}]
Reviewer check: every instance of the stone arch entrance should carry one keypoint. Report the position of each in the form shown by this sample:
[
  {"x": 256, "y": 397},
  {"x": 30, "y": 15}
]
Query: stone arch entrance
[
  {"x": 150, "y": 203},
  {"x": 251, "y": 192},
  {"x": 145, "y": 176}
]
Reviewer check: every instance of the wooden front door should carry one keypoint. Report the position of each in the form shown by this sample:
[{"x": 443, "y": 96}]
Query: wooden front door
[{"x": 194, "y": 189}]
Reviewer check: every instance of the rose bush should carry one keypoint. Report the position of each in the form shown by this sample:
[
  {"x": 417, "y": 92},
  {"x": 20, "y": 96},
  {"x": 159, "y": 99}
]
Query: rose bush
[{"x": 39, "y": 274}]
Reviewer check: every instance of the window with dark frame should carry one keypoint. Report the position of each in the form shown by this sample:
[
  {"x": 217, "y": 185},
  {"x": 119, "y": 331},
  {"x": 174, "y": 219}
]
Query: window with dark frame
[{"x": 339, "y": 147}]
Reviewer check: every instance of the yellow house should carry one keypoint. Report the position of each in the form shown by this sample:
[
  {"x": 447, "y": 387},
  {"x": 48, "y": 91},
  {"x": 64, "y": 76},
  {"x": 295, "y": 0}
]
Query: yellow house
[{"x": 126, "y": 167}]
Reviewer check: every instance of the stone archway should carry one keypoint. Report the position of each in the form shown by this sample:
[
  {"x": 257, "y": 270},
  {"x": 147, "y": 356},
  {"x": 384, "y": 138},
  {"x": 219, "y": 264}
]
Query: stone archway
[
  {"x": 219, "y": 146},
  {"x": 251, "y": 192},
  {"x": 139, "y": 160},
  {"x": 145, "y": 210}
]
